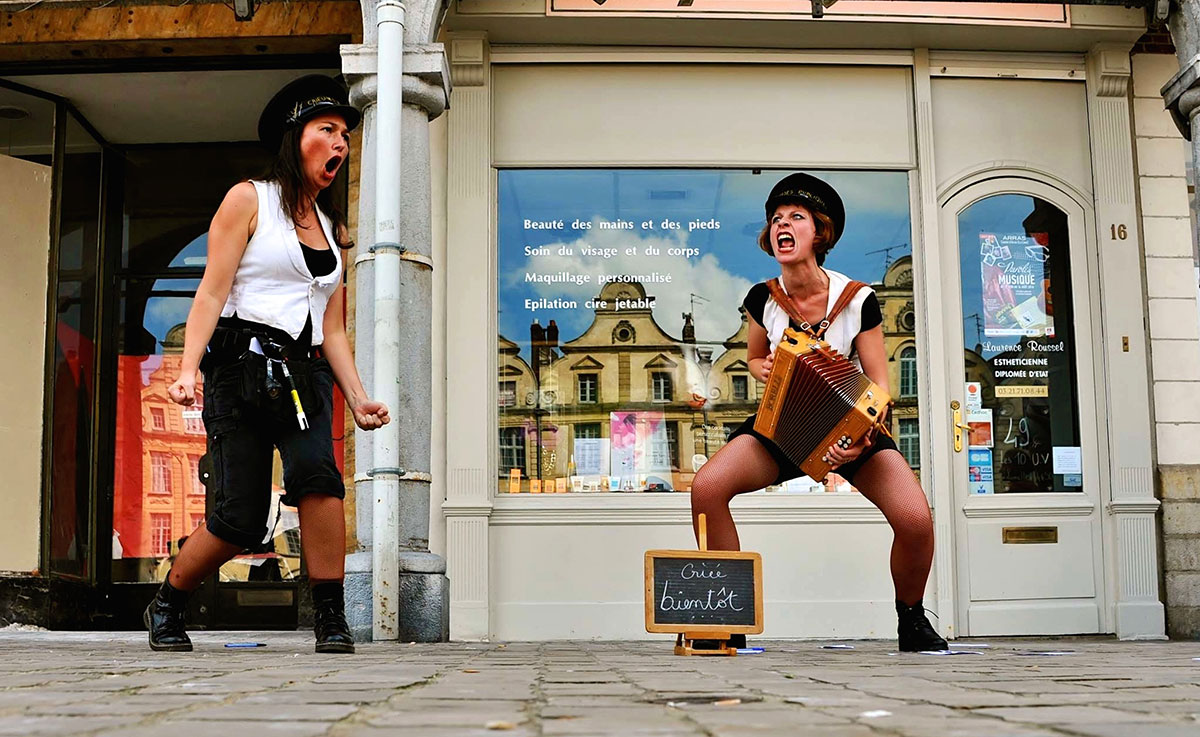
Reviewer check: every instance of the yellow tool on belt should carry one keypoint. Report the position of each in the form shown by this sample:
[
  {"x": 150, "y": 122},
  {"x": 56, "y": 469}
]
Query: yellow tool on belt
[
  {"x": 300, "y": 416},
  {"x": 277, "y": 349}
]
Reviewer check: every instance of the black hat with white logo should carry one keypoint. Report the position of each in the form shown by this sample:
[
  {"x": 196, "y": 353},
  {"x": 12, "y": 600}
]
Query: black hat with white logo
[
  {"x": 299, "y": 101},
  {"x": 814, "y": 194}
]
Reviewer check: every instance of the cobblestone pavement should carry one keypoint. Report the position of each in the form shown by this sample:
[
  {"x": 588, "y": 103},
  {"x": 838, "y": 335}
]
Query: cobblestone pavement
[{"x": 111, "y": 684}]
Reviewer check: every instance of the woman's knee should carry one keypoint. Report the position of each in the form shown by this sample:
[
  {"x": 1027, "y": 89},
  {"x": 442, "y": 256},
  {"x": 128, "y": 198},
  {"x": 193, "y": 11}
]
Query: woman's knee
[
  {"x": 707, "y": 490},
  {"x": 914, "y": 527}
]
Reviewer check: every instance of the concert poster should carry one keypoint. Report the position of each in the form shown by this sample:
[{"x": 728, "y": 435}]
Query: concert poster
[{"x": 1015, "y": 283}]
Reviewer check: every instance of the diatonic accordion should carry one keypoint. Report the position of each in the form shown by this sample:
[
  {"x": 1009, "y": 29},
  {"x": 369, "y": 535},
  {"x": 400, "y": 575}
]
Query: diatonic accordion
[{"x": 815, "y": 398}]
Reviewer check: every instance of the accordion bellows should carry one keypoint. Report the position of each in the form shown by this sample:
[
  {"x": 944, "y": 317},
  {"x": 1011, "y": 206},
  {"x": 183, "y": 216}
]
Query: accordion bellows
[{"x": 815, "y": 398}]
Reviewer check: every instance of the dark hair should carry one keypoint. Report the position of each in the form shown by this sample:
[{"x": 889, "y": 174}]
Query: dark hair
[
  {"x": 287, "y": 169},
  {"x": 822, "y": 225}
]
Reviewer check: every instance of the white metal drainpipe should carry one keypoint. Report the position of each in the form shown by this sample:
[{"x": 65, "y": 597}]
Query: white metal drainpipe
[{"x": 385, "y": 579}]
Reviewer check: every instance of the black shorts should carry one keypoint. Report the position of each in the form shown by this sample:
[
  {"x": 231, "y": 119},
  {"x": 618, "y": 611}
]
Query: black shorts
[
  {"x": 789, "y": 470},
  {"x": 244, "y": 424}
]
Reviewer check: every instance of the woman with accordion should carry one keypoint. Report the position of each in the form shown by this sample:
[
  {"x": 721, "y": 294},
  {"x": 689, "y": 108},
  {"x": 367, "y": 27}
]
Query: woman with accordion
[{"x": 805, "y": 217}]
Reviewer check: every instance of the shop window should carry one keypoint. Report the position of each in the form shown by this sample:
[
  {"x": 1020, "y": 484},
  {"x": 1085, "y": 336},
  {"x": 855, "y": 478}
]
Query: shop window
[
  {"x": 160, "y": 535},
  {"x": 909, "y": 441},
  {"x": 642, "y": 272},
  {"x": 660, "y": 388},
  {"x": 908, "y": 372},
  {"x": 507, "y": 396},
  {"x": 588, "y": 388}
]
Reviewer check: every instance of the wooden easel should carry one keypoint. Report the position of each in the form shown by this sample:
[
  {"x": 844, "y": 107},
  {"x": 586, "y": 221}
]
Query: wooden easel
[{"x": 684, "y": 640}]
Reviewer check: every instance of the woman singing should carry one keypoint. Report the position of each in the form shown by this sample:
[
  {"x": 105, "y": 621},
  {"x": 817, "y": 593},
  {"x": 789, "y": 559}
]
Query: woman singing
[
  {"x": 266, "y": 328},
  {"x": 805, "y": 218}
]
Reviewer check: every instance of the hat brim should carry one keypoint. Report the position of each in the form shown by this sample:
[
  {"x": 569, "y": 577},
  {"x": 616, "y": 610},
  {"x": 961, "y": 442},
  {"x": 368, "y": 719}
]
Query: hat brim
[{"x": 349, "y": 113}]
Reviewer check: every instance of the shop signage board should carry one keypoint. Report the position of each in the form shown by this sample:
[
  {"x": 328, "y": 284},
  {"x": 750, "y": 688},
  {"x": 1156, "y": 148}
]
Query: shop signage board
[
  {"x": 712, "y": 593},
  {"x": 891, "y": 10},
  {"x": 703, "y": 594}
]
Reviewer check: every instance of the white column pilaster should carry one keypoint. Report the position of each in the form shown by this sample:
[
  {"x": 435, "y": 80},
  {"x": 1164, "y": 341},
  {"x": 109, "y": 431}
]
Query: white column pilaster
[
  {"x": 1130, "y": 523},
  {"x": 471, "y": 324}
]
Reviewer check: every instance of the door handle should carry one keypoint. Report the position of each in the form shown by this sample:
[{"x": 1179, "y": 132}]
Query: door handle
[{"x": 958, "y": 426}]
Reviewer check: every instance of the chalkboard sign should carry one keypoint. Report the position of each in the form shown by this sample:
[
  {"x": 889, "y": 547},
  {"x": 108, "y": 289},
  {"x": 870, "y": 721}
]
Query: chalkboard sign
[{"x": 701, "y": 593}]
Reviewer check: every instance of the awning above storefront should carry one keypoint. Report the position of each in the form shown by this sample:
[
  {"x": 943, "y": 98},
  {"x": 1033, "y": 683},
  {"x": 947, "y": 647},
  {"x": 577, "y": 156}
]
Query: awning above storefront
[{"x": 169, "y": 107}]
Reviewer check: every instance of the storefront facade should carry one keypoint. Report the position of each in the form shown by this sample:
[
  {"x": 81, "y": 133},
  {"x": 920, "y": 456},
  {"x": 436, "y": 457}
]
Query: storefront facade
[
  {"x": 603, "y": 193},
  {"x": 123, "y": 129},
  {"x": 1018, "y": 203}
]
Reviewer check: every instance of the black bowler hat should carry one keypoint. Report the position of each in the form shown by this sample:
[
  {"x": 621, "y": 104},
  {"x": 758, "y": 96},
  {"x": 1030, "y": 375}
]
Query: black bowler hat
[
  {"x": 301, "y": 100},
  {"x": 814, "y": 194}
]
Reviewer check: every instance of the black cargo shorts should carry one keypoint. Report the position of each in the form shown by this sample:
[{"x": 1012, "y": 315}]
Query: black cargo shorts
[{"x": 244, "y": 424}]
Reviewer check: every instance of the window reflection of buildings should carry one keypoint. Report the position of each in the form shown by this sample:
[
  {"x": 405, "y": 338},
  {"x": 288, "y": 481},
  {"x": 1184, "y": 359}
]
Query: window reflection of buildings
[
  {"x": 157, "y": 496},
  {"x": 895, "y": 295},
  {"x": 626, "y": 362}
]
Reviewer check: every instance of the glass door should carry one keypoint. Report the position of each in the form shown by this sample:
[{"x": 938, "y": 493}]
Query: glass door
[
  {"x": 1026, "y": 455},
  {"x": 72, "y": 381},
  {"x": 159, "y": 498}
]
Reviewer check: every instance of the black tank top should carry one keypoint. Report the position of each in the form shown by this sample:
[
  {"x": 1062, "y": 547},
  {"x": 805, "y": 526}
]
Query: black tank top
[{"x": 320, "y": 261}]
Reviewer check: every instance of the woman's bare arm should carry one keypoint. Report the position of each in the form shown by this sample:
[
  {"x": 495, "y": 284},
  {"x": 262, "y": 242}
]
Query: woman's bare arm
[
  {"x": 873, "y": 356},
  {"x": 368, "y": 414},
  {"x": 228, "y": 235},
  {"x": 758, "y": 351}
]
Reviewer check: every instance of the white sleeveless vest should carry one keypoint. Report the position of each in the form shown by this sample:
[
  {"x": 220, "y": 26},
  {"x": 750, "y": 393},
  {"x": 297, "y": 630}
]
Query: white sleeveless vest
[
  {"x": 841, "y": 333},
  {"x": 273, "y": 285}
]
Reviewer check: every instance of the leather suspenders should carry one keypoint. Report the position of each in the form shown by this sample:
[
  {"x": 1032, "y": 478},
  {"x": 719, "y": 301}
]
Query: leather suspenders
[{"x": 785, "y": 303}]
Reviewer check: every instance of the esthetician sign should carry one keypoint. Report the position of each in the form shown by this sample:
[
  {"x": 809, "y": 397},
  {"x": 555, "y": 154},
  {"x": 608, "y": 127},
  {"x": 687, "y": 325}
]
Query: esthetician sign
[{"x": 980, "y": 12}]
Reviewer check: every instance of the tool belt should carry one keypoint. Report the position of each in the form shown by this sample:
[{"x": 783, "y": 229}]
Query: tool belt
[
  {"x": 233, "y": 334},
  {"x": 281, "y": 380}
]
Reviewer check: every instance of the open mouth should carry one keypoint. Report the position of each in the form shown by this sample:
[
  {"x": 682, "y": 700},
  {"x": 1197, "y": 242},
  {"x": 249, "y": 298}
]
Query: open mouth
[
  {"x": 332, "y": 165},
  {"x": 784, "y": 242}
]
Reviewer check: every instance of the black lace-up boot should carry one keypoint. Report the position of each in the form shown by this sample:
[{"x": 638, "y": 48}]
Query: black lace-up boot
[
  {"x": 329, "y": 604},
  {"x": 164, "y": 619},
  {"x": 916, "y": 633}
]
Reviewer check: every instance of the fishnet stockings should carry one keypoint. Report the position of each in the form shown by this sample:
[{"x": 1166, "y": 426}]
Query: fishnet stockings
[
  {"x": 742, "y": 465},
  {"x": 890, "y": 484},
  {"x": 886, "y": 480}
]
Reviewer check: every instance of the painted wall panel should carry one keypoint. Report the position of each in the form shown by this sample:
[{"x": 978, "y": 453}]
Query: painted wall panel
[
  {"x": 980, "y": 122},
  {"x": 703, "y": 114},
  {"x": 24, "y": 250}
]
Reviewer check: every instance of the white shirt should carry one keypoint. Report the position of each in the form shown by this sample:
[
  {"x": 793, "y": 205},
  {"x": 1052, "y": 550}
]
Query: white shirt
[
  {"x": 273, "y": 285},
  {"x": 841, "y": 332}
]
